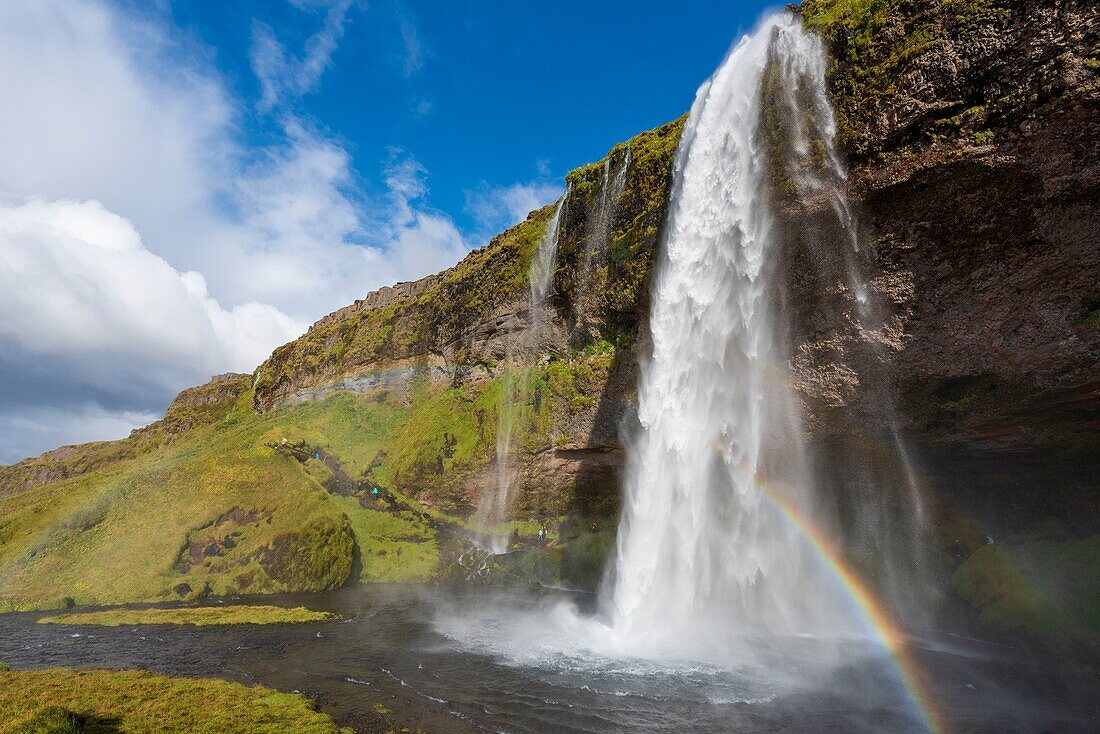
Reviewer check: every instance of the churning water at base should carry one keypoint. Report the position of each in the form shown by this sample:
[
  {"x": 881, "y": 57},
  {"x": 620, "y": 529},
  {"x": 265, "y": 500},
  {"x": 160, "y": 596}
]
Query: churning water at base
[{"x": 387, "y": 650}]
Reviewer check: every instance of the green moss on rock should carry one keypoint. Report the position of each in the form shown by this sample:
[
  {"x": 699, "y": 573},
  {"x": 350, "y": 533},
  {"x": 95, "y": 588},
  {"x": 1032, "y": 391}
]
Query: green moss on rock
[
  {"x": 314, "y": 558},
  {"x": 909, "y": 74},
  {"x": 58, "y": 701}
]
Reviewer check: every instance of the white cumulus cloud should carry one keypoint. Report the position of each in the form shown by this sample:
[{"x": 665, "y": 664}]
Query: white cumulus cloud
[
  {"x": 147, "y": 242},
  {"x": 78, "y": 281},
  {"x": 498, "y": 207}
]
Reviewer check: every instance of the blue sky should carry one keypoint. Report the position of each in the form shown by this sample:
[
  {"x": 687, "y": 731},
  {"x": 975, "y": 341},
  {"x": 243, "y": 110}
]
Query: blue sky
[
  {"x": 186, "y": 185},
  {"x": 489, "y": 91}
]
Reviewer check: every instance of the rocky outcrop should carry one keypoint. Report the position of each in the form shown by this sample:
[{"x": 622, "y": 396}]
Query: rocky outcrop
[
  {"x": 973, "y": 128},
  {"x": 390, "y": 295}
]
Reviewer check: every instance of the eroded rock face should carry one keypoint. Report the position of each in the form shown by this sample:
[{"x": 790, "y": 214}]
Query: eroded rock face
[
  {"x": 1002, "y": 343},
  {"x": 974, "y": 131}
]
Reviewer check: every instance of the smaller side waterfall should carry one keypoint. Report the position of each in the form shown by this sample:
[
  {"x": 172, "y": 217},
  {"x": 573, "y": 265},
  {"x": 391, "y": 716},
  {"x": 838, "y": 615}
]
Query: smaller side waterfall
[
  {"x": 494, "y": 508},
  {"x": 599, "y": 234},
  {"x": 542, "y": 267}
]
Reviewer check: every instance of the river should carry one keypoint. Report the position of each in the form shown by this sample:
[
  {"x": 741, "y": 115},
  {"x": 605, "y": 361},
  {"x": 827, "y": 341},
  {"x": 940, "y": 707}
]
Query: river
[{"x": 479, "y": 660}]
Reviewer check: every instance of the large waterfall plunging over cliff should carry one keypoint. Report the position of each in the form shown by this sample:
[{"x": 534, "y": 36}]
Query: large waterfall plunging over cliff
[
  {"x": 718, "y": 468},
  {"x": 739, "y": 539}
]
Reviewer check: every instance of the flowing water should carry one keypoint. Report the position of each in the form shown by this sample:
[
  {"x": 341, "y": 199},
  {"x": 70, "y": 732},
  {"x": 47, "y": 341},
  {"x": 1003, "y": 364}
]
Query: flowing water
[
  {"x": 494, "y": 507},
  {"x": 718, "y": 483},
  {"x": 729, "y": 570},
  {"x": 599, "y": 235}
]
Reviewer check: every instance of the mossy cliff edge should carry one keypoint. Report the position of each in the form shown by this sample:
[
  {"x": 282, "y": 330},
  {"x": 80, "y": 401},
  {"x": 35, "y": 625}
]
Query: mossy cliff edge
[{"x": 971, "y": 127}]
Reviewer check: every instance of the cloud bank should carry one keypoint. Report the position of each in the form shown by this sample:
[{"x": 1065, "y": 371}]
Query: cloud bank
[{"x": 146, "y": 243}]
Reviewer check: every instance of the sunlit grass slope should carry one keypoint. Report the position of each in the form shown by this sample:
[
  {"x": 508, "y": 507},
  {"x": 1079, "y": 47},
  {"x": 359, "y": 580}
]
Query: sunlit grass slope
[
  {"x": 68, "y": 702},
  {"x": 220, "y": 510},
  {"x": 253, "y": 503}
]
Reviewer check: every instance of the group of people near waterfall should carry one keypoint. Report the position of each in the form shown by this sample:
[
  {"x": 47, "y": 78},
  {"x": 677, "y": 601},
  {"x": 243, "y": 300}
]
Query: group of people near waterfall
[{"x": 540, "y": 538}]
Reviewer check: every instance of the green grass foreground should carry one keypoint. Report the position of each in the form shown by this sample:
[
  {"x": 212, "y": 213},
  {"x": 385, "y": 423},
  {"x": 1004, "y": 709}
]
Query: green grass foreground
[
  {"x": 197, "y": 616},
  {"x": 60, "y": 701}
]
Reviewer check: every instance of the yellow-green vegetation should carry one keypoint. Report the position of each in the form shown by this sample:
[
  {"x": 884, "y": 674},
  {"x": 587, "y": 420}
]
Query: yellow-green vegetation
[
  {"x": 392, "y": 546},
  {"x": 431, "y": 446},
  {"x": 195, "y": 616},
  {"x": 59, "y": 701},
  {"x": 228, "y": 508},
  {"x": 218, "y": 511},
  {"x": 194, "y": 407},
  {"x": 1045, "y": 588}
]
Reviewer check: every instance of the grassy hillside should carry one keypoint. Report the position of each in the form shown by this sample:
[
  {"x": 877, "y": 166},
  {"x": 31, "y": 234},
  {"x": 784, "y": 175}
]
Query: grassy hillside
[
  {"x": 280, "y": 501},
  {"x": 220, "y": 498},
  {"x": 69, "y": 702},
  {"x": 225, "y": 509}
]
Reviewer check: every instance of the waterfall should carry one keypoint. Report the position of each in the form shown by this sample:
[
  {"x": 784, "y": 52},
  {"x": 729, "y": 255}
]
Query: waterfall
[
  {"x": 718, "y": 468},
  {"x": 599, "y": 235},
  {"x": 494, "y": 507},
  {"x": 542, "y": 267}
]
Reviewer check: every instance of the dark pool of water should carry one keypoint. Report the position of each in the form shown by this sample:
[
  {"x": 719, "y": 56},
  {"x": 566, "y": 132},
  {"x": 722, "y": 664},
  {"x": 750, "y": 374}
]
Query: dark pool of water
[{"x": 480, "y": 660}]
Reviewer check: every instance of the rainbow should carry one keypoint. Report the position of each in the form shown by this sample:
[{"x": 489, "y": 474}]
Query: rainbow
[{"x": 870, "y": 608}]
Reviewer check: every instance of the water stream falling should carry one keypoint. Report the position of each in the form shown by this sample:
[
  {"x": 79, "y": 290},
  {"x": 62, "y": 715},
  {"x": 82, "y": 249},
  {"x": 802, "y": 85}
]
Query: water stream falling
[
  {"x": 718, "y": 478},
  {"x": 599, "y": 234},
  {"x": 494, "y": 507}
]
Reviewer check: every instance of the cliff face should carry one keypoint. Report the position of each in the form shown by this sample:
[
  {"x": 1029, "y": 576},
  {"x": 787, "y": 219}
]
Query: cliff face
[{"x": 973, "y": 130}]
